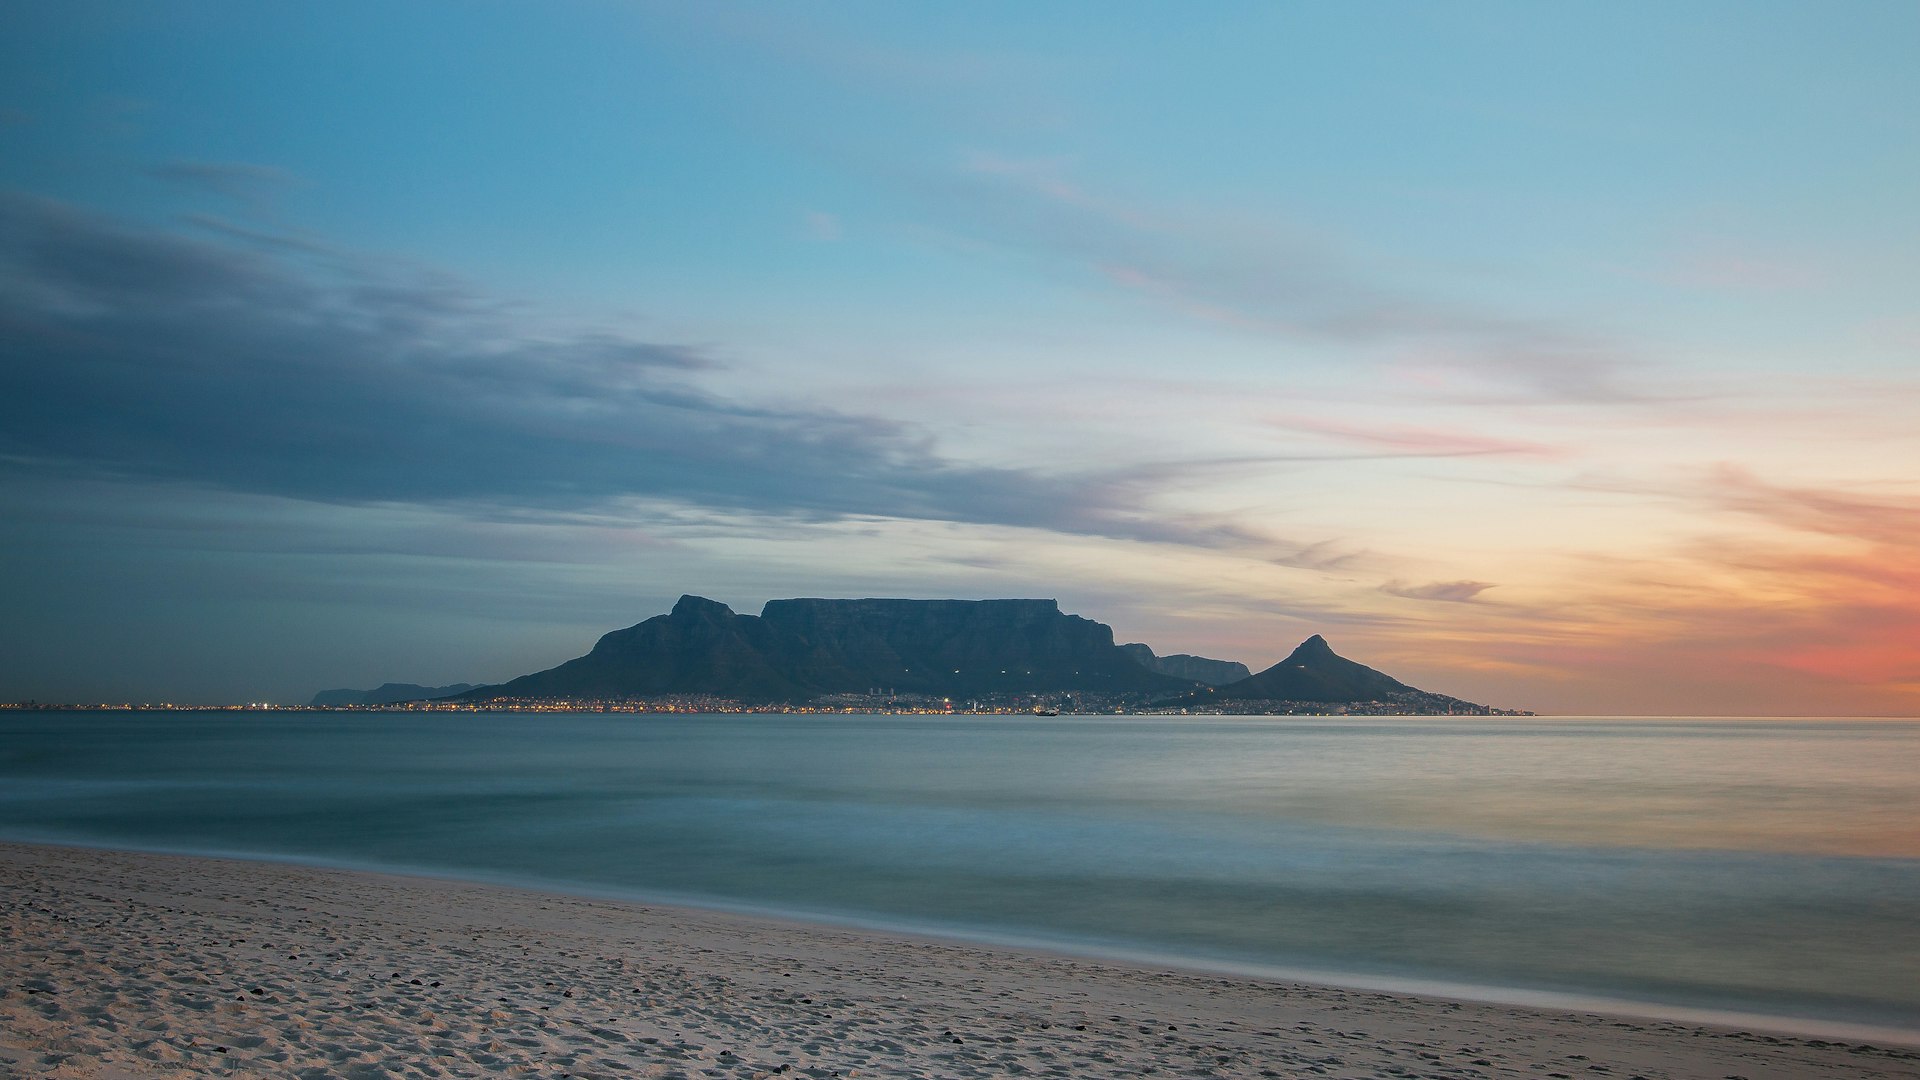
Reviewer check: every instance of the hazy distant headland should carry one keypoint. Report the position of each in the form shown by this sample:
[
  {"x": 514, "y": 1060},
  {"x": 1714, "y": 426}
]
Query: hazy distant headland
[
  {"x": 921, "y": 655},
  {"x": 387, "y": 694}
]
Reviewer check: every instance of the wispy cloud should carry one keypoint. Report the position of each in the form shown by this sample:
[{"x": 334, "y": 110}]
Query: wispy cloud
[
  {"x": 1893, "y": 522},
  {"x": 1742, "y": 273},
  {"x": 1455, "y": 592},
  {"x": 1787, "y": 598},
  {"x": 1323, "y": 555},
  {"x": 821, "y": 225},
  {"x": 253, "y": 186},
  {"x": 1418, "y": 441},
  {"x": 1260, "y": 279},
  {"x": 276, "y": 240}
]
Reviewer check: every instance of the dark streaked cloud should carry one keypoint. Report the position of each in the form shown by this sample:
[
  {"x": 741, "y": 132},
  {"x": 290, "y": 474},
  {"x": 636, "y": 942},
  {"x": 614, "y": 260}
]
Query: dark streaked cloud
[
  {"x": 243, "y": 182},
  {"x": 142, "y": 353},
  {"x": 1324, "y": 555}
]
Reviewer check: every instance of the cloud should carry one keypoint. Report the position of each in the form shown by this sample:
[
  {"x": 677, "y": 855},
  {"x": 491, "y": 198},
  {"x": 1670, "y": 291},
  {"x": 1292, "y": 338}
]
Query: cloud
[
  {"x": 821, "y": 225},
  {"x": 1884, "y": 521},
  {"x": 1456, "y": 592},
  {"x": 1739, "y": 273},
  {"x": 1420, "y": 442},
  {"x": 279, "y": 241},
  {"x": 139, "y": 353},
  {"x": 1796, "y": 599},
  {"x": 1324, "y": 555},
  {"x": 245, "y": 183},
  {"x": 1265, "y": 281}
]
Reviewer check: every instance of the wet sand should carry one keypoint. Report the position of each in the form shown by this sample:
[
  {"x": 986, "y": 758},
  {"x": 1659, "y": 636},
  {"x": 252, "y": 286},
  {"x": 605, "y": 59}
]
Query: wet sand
[{"x": 120, "y": 965}]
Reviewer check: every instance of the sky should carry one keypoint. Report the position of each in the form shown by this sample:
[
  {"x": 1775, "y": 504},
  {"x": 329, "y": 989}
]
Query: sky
[{"x": 1563, "y": 357}]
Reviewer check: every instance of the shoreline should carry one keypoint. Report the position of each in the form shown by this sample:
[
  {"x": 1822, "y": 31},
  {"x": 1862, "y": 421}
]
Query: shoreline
[
  {"x": 1098, "y": 952},
  {"x": 129, "y": 964}
]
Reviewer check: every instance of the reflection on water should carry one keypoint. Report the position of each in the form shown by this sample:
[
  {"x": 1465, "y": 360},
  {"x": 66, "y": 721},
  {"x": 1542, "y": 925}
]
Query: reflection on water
[{"x": 1766, "y": 865}]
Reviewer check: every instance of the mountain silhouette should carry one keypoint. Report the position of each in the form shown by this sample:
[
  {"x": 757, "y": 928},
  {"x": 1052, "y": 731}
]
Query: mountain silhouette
[
  {"x": 1314, "y": 672},
  {"x": 803, "y": 648}
]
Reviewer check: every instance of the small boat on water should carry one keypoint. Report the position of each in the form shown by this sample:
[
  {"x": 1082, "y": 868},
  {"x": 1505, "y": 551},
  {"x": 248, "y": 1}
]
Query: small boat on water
[{"x": 1042, "y": 710}]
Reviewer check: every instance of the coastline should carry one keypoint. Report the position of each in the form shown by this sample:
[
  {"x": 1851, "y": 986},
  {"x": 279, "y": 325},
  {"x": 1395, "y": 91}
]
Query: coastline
[{"x": 125, "y": 964}]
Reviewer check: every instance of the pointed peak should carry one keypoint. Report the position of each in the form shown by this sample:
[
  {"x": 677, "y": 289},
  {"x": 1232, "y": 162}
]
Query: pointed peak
[
  {"x": 1312, "y": 648},
  {"x": 691, "y": 605}
]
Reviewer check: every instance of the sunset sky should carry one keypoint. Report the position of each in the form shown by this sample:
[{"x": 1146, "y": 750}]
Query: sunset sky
[{"x": 1564, "y": 357}]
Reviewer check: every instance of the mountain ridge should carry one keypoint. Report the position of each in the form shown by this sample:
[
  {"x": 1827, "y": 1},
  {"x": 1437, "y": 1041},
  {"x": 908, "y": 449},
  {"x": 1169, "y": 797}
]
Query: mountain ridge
[
  {"x": 1198, "y": 669},
  {"x": 808, "y": 647},
  {"x": 877, "y": 652},
  {"x": 386, "y": 694}
]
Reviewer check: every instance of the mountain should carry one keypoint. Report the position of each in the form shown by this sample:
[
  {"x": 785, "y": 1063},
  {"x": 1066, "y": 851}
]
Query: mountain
[
  {"x": 387, "y": 694},
  {"x": 998, "y": 652},
  {"x": 701, "y": 647},
  {"x": 961, "y": 647},
  {"x": 799, "y": 649},
  {"x": 1313, "y": 674},
  {"x": 1192, "y": 668}
]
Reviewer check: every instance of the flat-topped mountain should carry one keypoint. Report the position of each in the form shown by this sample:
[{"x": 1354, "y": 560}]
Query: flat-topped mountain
[{"x": 795, "y": 650}]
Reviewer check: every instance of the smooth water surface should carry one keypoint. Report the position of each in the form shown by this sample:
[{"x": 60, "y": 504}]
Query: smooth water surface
[{"x": 1763, "y": 866}]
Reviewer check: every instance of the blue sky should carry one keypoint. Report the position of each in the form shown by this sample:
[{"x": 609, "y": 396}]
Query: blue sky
[{"x": 1514, "y": 347}]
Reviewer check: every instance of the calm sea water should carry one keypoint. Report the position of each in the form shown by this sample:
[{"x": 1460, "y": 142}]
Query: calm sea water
[{"x": 1765, "y": 867}]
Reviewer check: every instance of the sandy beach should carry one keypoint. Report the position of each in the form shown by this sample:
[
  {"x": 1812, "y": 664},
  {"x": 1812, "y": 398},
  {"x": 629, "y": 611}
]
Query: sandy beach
[{"x": 122, "y": 965}]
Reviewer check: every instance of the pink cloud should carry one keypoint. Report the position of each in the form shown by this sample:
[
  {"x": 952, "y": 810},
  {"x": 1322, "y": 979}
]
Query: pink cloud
[
  {"x": 1744, "y": 274},
  {"x": 1418, "y": 440},
  {"x": 821, "y": 225},
  {"x": 1888, "y": 521}
]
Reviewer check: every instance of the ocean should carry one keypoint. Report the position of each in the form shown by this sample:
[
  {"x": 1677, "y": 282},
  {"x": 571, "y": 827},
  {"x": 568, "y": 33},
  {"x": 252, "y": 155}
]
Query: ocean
[{"x": 1758, "y": 869}]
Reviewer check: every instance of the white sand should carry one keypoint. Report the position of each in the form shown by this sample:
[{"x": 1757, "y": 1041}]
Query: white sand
[{"x": 131, "y": 965}]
